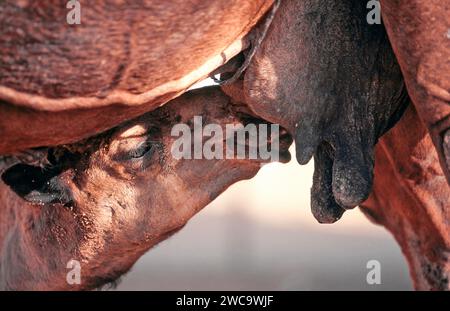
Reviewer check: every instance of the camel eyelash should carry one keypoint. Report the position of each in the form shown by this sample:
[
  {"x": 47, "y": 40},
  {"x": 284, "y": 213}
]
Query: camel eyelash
[{"x": 142, "y": 150}]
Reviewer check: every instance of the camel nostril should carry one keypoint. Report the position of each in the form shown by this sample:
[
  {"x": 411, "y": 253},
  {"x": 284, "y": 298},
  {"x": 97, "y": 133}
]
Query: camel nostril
[{"x": 36, "y": 185}]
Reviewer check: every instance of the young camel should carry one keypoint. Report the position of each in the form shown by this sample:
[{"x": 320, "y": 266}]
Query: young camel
[{"x": 105, "y": 201}]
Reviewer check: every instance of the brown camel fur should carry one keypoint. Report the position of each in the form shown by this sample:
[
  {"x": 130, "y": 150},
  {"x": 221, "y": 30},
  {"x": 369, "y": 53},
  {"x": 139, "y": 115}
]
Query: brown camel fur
[
  {"x": 419, "y": 31},
  {"x": 411, "y": 198},
  {"x": 61, "y": 83},
  {"x": 106, "y": 200}
]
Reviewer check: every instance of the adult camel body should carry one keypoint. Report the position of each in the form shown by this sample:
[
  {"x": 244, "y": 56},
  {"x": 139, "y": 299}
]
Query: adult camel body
[
  {"x": 337, "y": 97},
  {"x": 411, "y": 198},
  {"x": 332, "y": 80},
  {"x": 420, "y": 34},
  {"x": 60, "y": 83}
]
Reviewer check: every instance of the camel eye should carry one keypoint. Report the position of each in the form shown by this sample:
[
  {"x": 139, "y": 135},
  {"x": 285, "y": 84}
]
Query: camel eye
[
  {"x": 139, "y": 149},
  {"x": 145, "y": 148}
]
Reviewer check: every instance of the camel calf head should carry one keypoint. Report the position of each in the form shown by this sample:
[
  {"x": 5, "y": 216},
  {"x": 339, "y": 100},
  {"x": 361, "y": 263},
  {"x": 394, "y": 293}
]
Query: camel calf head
[{"x": 106, "y": 200}]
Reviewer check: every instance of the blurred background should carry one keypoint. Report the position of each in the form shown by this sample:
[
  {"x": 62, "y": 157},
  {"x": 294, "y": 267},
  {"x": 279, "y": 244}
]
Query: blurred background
[{"x": 260, "y": 235}]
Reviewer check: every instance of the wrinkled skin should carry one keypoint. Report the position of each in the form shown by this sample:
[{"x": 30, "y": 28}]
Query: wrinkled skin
[
  {"x": 420, "y": 34},
  {"x": 124, "y": 59},
  {"x": 332, "y": 80},
  {"x": 411, "y": 199},
  {"x": 107, "y": 200}
]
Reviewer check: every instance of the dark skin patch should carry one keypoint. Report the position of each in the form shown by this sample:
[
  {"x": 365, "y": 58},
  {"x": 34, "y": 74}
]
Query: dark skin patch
[{"x": 332, "y": 80}]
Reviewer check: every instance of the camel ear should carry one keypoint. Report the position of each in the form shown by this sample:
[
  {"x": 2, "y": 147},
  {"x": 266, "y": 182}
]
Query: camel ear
[{"x": 36, "y": 185}]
